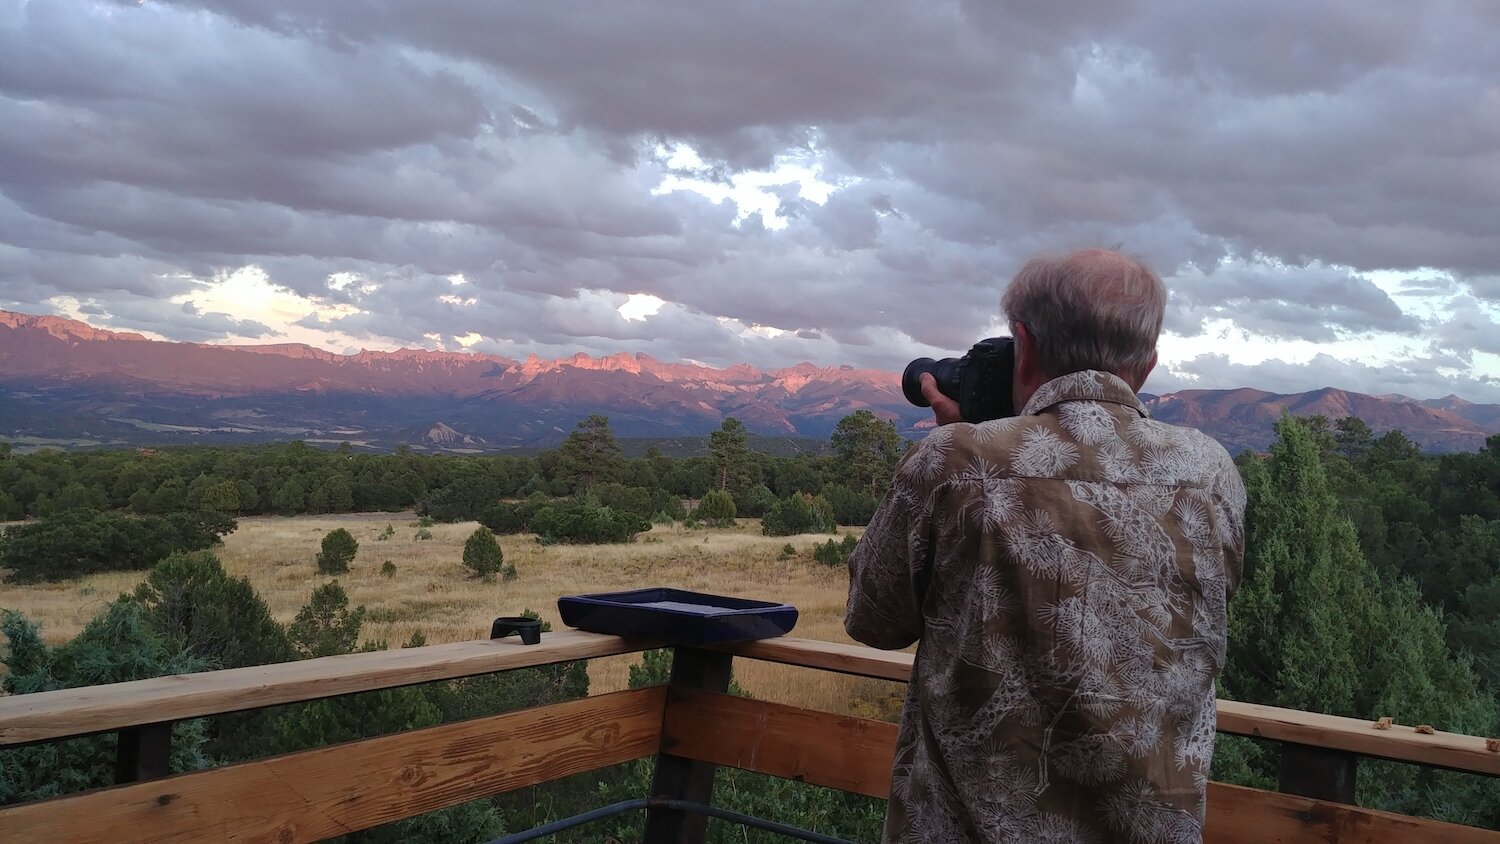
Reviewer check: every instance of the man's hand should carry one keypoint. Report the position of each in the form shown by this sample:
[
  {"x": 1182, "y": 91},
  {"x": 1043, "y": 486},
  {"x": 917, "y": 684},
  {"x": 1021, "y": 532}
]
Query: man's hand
[{"x": 944, "y": 409}]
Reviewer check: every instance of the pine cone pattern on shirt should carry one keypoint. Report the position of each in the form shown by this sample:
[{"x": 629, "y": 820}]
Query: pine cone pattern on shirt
[{"x": 1067, "y": 572}]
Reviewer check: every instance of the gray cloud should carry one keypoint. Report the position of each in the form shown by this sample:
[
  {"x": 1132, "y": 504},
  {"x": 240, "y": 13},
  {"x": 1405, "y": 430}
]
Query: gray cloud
[{"x": 1260, "y": 157}]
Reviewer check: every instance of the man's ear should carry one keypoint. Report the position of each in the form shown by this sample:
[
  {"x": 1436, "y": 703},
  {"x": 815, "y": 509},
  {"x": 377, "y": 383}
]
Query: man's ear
[{"x": 1027, "y": 372}]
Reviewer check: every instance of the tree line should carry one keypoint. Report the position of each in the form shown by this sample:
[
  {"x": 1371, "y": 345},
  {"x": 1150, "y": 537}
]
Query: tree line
[{"x": 296, "y": 478}]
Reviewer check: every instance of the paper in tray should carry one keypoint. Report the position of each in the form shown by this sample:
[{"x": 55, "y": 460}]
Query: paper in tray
[{"x": 676, "y": 616}]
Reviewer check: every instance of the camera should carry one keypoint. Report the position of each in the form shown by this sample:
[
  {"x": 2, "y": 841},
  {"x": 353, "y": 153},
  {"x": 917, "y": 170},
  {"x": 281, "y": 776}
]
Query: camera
[{"x": 979, "y": 381}]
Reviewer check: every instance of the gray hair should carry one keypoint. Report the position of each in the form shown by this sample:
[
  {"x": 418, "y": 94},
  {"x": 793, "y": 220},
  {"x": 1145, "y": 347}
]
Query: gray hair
[{"x": 1095, "y": 309}]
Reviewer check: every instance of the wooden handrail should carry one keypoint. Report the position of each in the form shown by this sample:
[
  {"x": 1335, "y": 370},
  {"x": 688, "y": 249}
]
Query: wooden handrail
[
  {"x": 1456, "y": 751},
  {"x": 312, "y": 795},
  {"x": 854, "y": 755},
  {"x": 73, "y": 712},
  {"x": 94, "y": 709}
]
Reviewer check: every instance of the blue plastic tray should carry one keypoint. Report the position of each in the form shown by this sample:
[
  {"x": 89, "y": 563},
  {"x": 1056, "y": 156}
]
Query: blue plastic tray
[{"x": 676, "y": 616}]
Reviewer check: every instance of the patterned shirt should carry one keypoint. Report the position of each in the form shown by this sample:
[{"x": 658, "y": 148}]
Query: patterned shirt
[{"x": 1067, "y": 572}]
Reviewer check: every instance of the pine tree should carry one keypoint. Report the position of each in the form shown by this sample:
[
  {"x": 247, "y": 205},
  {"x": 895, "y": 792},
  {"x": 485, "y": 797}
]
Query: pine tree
[
  {"x": 589, "y": 455},
  {"x": 865, "y": 451},
  {"x": 716, "y": 509},
  {"x": 326, "y": 626},
  {"x": 1314, "y": 628},
  {"x": 482, "y": 554},
  {"x": 339, "y": 548},
  {"x": 730, "y": 454}
]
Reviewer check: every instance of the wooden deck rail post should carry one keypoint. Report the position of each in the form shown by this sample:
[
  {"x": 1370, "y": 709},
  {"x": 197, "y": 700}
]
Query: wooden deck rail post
[
  {"x": 680, "y": 777},
  {"x": 1318, "y": 772},
  {"x": 143, "y": 753}
]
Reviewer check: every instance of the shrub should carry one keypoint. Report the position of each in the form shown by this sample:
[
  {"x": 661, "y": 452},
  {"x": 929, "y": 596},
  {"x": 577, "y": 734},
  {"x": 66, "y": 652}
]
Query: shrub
[
  {"x": 423, "y": 534},
  {"x": 80, "y": 542},
  {"x": 755, "y": 501},
  {"x": 339, "y": 548},
  {"x": 193, "y": 603},
  {"x": 716, "y": 509},
  {"x": 326, "y": 626},
  {"x": 787, "y": 552},
  {"x": 388, "y": 568},
  {"x": 833, "y": 553},
  {"x": 513, "y": 517},
  {"x": 798, "y": 513},
  {"x": 850, "y": 507},
  {"x": 482, "y": 554},
  {"x": 390, "y": 531},
  {"x": 585, "y": 524},
  {"x": 116, "y": 646}
]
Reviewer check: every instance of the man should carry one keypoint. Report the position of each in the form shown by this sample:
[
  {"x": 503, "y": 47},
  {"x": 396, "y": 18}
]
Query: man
[{"x": 1067, "y": 572}]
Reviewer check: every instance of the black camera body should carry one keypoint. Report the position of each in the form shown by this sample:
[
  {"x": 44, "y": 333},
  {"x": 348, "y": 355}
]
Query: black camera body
[{"x": 980, "y": 381}]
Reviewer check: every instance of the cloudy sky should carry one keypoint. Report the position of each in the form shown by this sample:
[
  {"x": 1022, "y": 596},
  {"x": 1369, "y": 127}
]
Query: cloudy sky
[{"x": 843, "y": 181}]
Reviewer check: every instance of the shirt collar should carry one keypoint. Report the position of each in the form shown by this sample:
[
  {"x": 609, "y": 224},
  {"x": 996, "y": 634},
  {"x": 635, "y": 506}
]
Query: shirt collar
[{"x": 1087, "y": 385}]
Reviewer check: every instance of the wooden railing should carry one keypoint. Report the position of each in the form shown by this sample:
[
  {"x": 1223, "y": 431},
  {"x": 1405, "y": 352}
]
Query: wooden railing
[{"x": 691, "y": 726}]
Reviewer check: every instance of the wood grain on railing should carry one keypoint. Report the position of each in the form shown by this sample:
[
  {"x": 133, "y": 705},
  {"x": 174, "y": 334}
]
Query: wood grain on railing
[
  {"x": 850, "y": 754},
  {"x": 318, "y": 794},
  {"x": 93, "y": 709},
  {"x": 1445, "y": 750},
  {"x": 854, "y": 754}
]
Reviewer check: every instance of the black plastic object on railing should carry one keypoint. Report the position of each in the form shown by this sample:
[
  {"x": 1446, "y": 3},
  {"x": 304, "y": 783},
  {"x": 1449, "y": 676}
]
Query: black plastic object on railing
[
  {"x": 615, "y": 809},
  {"x": 529, "y": 628},
  {"x": 676, "y": 616}
]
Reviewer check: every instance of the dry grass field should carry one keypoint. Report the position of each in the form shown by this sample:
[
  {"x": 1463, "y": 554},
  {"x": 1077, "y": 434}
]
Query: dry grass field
[{"x": 431, "y": 591}]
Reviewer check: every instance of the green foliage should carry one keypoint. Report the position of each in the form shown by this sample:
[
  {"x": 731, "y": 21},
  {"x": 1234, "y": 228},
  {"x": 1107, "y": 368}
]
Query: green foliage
[
  {"x": 289, "y": 498},
  {"x": 582, "y": 523},
  {"x": 865, "y": 451},
  {"x": 422, "y": 535},
  {"x": 788, "y": 551},
  {"x": 513, "y": 517},
  {"x": 117, "y": 646},
  {"x": 464, "y": 499},
  {"x": 588, "y": 456},
  {"x": 798, "y": 513},
  {"x": 482, "y": 554},
  {"x": 388, "y": 568},
  {"x": 326, "y": 626},
  {"x": 850, "y": 507},
  {"x": 339, "y": 548},
  {"x": 833, "y": 553},
  {"x": 716, "y": 509},
  {"x": 639, "y": 501},
  {"x": 80, "y": 542},
  {"x": 191, "y": 602},
  {"x": 1314, "y": 627},
  {"x": 733, "y": 468},
  {"x": 390, "y": 531}
]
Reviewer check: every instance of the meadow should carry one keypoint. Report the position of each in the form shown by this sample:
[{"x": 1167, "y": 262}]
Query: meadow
[{"x": 432, "y": 593}]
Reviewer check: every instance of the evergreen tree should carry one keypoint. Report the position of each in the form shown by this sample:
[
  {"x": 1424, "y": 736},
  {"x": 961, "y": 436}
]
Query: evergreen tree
[
  {"x": 116, "y": 646},
  {"x": 193, "y": 603},
  {"x": 589, "y": 455},
  {"x": 289, "y": 499},
  {"x": 730, "y": 454},
  {"x": 482, "y": 554},
  {"x": 326, "y": 626},
  {"x": 716, "y": 509},
  {"x": 1314, "y": 628},
  {"x": 865, "y": 451},
  {"x": 339, "y": 548}
]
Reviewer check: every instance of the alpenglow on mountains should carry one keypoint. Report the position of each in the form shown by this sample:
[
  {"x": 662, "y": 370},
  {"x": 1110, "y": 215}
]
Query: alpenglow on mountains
[{"x": 64, "y": 382}]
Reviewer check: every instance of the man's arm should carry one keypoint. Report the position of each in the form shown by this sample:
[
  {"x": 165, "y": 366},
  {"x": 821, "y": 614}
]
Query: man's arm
[{"x": 888, "y": 569}]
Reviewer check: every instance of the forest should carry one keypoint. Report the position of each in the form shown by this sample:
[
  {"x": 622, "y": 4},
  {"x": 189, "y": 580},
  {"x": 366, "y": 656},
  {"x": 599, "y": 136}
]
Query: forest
[{"x": 1371, "y": 588}]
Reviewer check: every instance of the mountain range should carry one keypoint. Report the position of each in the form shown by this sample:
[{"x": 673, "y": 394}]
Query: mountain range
[{"x": 63, "y": 382}]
